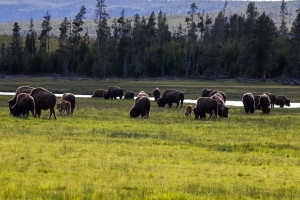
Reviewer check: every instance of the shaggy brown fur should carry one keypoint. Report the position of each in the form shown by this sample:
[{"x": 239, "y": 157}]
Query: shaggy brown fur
[
  {"x": 141, "y": 94},
  {"x": 99, "y": 93},
  {"x": 282, "y": 101},
  {"x": 169, "y": 97},
  {"x": 249, "y": 103},
  {"x": 113, "y": 92},
  {"x": 222, "y": 109},
  {"x": 206, "y": 92},
  {"x": 156, "y": 93},
  {"x": 206, "y": 105},
  {"x": 188, "y": 111},
  {"x": 264, "y": 103},
  {"x": 43, "y": 100},
  {"x": 256, "y": 102},
  {"x": 272, "y": 98},
  {"x": 22, "y": 89},
  {"x": 64, "y": 107},
  {"x": 224, "y": 96},
  {"x": 24, "y": 104},
  {"x": 141, "y": 107},
  {"x": 70, "y": 98},
  {"x": 128, "y": 94}
]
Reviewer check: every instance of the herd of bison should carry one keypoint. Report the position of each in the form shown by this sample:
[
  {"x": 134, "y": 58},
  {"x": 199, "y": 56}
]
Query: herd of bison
[{"x": 28, "y": 99}]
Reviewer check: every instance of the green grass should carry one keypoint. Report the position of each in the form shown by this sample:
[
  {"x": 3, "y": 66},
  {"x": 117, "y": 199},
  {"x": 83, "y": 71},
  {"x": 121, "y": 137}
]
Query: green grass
[{"x": 101, "y": 153}]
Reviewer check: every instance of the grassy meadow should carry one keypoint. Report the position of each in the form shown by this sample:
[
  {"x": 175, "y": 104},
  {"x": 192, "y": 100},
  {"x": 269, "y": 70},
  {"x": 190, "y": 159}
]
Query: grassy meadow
[{"x": 101, "y": 153}]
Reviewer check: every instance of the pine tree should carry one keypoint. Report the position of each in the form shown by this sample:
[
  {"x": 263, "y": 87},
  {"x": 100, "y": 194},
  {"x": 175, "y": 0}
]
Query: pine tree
[
  {"x": 64, "y": 44},
  {"x": 295, "y": 31},
  {"x": 45, "y": 33},
  {"x": 16, "y": 44},
  {"x": 31, "y": 39},
  {"x": 77, "y": 25},
  {"x": 283, "y": 13},
  {"x": 151, "y": 29}
]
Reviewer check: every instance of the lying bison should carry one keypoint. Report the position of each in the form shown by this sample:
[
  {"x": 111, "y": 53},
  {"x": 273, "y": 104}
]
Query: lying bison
[
  {"x": 141, "y": 107},
  {"x": 169, "y": 97},
  {"x": 272, "y": 98},
  {"x": 22, "y": 89},
  {"x": 43, "y": 100},
  {"x": 24, "y": 104},
  {"x": 282, "y": 100},
  {"x": 249, "y": 103},
  {"x": 256, "y": 102},
  {"x": 128, "y": 94},
  {"x": 99, "y": 93},
  {"x": 113, "y": 92},
  {"x": 206, "y": 105},
  {"x": 64, "y": 107},
  {"x": 188, "y": 111},
  {"x": 70, "y": 98},
  {"x": 264, "y": 103},
  {"x": 156, "y": 93},
  {"x": 222, "y": 109}
]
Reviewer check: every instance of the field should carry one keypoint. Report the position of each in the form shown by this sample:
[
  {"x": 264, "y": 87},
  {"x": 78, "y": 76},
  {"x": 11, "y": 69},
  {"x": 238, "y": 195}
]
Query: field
[{"x": 101, "y": 153}]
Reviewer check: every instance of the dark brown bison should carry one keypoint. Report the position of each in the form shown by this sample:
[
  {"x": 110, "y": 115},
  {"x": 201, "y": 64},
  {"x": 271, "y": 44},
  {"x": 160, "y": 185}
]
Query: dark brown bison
[
  {"x": 188, "y": 111},
  {"x": 43, "y": 100},
  {"x": 249, "y": 103},
  {"x": 64, "y": 107},
  {"x": 156, "y": 93},
  {"x": 113, "y": 92},
  {"x": 22, "y": 89},
  {"x": 282, "y": 100},
  {"x": 222, "y": 109},
  {"x": 169, "y": 97},
  {"x": 206, "y": 92},
  {"x": 70, "y": 98},
  {"x": 99, "y": 93},
  {"x": 272, "y": 98},
  {"x": 256, "y": 102},
  {"x": 141, "y": 107},
  {"x": 206, "y": 105},
  {"x": 128, "y": 94},
  {"x": 24, "y": 104},
  {"x": 264, "y": 103}
]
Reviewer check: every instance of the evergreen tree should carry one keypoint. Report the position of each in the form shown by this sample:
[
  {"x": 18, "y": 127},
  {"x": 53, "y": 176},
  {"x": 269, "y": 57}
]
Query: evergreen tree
[
  {"x": 31, "y": 39},
  {"x": 16, "y": 44},
  {"x": 77, "y": 25},
  {"x": 45, "y": 33},
  {"x": 283, "y": 13},
  {"x": 151, "y": 29},
  {"x": 295, "y": 31},
  {"x": 64, "y": 44}
]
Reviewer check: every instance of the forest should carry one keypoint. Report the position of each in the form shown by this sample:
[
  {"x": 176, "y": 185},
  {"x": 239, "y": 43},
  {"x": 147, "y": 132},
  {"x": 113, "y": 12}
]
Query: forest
[{"x": 248, "y": 45}]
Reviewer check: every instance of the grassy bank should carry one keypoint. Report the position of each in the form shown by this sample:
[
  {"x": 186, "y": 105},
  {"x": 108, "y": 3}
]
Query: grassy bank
[{"x": 101, "y": 153}]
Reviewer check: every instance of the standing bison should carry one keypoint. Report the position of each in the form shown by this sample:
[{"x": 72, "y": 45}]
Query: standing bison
[
  {"x": 24, "y": 104},
  {"x": 99, "y": 93},
  {"x": 141, "y": 107},
  {"x": 282, "y": 100},
  {"x": 249, "y": 103},
  {"x": 264, "y": 103},
  {"x": 224, "y": 96},
  {"x": 70, "y": 98},
  {"x": 206, "y": 105},
  {"x": 113, "y": 92},
  {"x": 22, "y": 89},
  {"x": 169, "y": 97},
  {"x": 256, "y": 102},
  {"x": 222, "y": 109},
  {"x": 156, "y": 93},
  {"x": 272, "y": 98},
  {"x": 128, "y": 94},
  {"x": 43, "y": 100},
  {"x": 141, "y": 94}
]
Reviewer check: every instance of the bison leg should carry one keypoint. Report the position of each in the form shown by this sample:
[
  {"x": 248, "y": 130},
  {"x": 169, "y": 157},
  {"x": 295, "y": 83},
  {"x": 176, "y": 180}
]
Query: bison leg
[
  {"x": 281, "y": 106},
  {"x": 52, "y": 111},
  {"x": 170, "y": 105},
  {"x": 177, "y": 104}
]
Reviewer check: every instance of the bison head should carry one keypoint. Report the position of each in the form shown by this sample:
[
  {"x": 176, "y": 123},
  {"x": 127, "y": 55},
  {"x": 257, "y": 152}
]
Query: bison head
[
  {"x": 11, "y": 103},
  {"x": 106, "y": 95},
  {"x": 15, "y": 111},
  {"x": 197, "y": 113},
  {"x": 58, "y": 106},
  {"x": 288, "y": 102},
  {"x": 161, "y": 102},
  {"x": 134, "y": 113}
]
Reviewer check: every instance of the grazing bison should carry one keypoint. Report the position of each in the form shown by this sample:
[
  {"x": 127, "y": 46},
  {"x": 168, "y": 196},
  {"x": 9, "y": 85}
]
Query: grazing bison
[
  {"x": 113, "y": 92},
  {"x": 156, "y": 93},
  {"x": 70, "y": 98},
  {"x": 22, "y": 89},
  {"x": 249, "y": 103},
  {"x": 256, "y": 102},
  {"x": 282, "y": 100},
  {"x": 169, "y": 97},
  {"x": 206, "y": 105},
  {"x": 222, "y": 109},
  {"x": 128, "y": 94},
  {"x": 224, "y": 96},
  {"x": 264, "y": 103},
  {"x": 272, "y": 98},
  {"x": 206, "y": 92},
  {"x": 43, "y": 100},
  {"x": 99, "y": 93},
  {"x": 141, "y": 94},
  {"x": 64, "y": 107},
  {"x": 188, "y": 111},
  {"x": 24, "y": 104},
  {"x": 141, "y": 107}
]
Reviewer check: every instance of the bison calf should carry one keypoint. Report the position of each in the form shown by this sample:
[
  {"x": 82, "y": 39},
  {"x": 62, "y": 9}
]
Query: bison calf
[
  {"x": 64, "y": 107},
  {"x": 249, "y": 103},
  {"x": 188, "y": 111},
  {"x": 24, "y": 104},
  {"x": 141, "y": 107}
]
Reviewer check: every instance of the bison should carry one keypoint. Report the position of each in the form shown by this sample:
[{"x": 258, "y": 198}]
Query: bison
[
  {"x": 169, "y": 97},
  {"x": 206, "y": 105},
  {"x": 24, "y": 104},
  {"x": 99, "y": 93},
  {"x": 282, "y": 100},
  {"x": 256, "y": 102},
  {"x": 249, "y": 103},
  {"x": 188, "y": 111},
  {"x": 264, "y": 103},
  {"x": 22, "y": 89},
  {"x": 43, "y": 100},
  {"x": 224, "y": 96},
  {"x": 128, "y": 94},
  {"x": 70, "y": 98},
  {"x": 141, "y": 107},
  {"x": 64, "y": 107},
  {"x": 222, "y": 109},
  {"x": 141, "y": 94},
  {"x": 206, "y": 92},
  {"x": 156, "y": 93},
  {"x": 113, "y": 92},
  {"x": 272, "y": 98}
]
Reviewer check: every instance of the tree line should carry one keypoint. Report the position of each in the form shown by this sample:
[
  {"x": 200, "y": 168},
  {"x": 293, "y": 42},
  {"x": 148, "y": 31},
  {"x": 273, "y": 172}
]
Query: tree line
[{"x": 248, "y": 45}]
